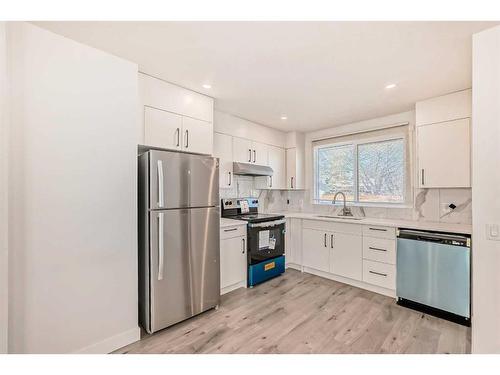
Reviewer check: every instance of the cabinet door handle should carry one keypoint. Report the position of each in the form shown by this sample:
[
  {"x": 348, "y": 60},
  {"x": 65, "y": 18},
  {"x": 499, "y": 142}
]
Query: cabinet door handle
[
  {"x": 230, "y": 178},
  {"x": 178, "y": 131},
  {"x": 325, "y": 239},
  {"x": 331, "y": 241},
  {"x": 378, "y": 273},
  {"x": 378, "y": 229},
  {"x": 423, "y": 177},
  {"x": 187, "y": 138},
  {"x": 249, "y": 155},
  {"x": 291, "y": 182},
  {"x": 243, "y": 245},
  {"x": 376, "y": 248},
  {"x": 230, "y": 230},
  {"x": 254, "y": 153}
]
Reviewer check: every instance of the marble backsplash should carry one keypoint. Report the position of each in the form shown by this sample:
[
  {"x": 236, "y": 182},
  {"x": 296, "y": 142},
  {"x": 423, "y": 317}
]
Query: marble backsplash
[{"x": 429, "y": 204}]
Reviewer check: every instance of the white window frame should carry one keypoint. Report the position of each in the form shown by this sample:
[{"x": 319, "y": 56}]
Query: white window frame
[{"x": 356, "y": 144}]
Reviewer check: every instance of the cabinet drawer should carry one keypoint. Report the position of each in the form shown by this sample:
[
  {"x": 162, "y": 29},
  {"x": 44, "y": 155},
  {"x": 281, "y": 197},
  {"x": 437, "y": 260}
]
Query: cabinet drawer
[
  {"x": 235, "y": 231},
  {"x": 379, "y": 231},
  {"x": 379, "y": 249},
  {"x": 380, "y": 274}
]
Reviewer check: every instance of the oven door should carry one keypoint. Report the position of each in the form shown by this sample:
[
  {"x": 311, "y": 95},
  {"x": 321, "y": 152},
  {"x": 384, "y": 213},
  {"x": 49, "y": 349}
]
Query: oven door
[{"x": 265, "y": 240}]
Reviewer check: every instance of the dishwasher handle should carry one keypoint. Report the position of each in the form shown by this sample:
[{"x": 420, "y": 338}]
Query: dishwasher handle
[{"x": 436, "y": 237}]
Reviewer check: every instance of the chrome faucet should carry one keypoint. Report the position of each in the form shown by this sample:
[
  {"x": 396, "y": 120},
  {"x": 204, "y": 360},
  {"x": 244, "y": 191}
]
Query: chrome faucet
[{"x": 346, "y": 211}]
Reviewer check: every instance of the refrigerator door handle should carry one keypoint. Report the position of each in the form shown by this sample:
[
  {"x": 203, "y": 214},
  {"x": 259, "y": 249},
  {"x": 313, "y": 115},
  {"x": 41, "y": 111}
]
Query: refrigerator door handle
[
  {"x": 161, "y": 200},
  {"x": 161, "y": 251}
]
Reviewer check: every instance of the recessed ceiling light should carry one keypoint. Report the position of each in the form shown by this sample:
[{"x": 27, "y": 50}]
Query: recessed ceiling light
[
  {"x": 390, "y": 86},
  {"x": 284, "y": 117},
  {"x": 207, "y": 86}
]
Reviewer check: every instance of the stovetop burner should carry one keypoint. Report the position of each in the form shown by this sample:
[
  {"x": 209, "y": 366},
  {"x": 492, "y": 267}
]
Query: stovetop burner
[{"x": 234, "y": 209}]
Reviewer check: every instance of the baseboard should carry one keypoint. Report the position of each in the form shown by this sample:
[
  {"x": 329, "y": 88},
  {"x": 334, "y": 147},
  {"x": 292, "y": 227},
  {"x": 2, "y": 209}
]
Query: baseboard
[
  {"x": 294, "y": 266},
  {"x": 230, "y": 288},
  {"x": 356, "y": 283},
  {"x": 112, "y": 343}
]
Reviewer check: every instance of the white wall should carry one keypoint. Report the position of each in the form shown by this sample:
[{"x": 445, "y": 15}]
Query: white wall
[
  {"x": 3, "y": 191},
  {"x": 72, "y": 196},
  {"x": 485, "y": 189},
  {"x": 228, "y": 124}
]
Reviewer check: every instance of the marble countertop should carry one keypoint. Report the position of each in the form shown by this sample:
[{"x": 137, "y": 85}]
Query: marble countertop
[
  {"x": 230, "y": 222},
  {"x": 423, "y": 225}
]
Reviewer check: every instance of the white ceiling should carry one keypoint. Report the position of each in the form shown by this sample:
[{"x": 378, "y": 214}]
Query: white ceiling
[{"x": 319, "y": 74}]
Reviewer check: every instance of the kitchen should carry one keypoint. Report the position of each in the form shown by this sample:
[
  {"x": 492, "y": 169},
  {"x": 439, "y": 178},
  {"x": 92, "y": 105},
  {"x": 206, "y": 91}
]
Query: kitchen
[{"x": 370, "y": 228}]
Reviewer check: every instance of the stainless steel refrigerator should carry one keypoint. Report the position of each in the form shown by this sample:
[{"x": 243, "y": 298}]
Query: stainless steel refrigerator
[{"x": 179, "y": 273}]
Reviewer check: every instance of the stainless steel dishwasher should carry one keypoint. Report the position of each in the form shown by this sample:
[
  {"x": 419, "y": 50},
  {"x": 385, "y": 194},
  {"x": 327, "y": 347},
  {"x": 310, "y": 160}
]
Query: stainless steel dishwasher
[{"x": 433, "y": 273}]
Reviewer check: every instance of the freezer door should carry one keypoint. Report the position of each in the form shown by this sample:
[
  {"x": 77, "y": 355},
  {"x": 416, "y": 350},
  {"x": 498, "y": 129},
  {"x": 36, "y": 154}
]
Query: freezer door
[
  {"x": 179, "y": 180},
  {"x": 434, "y": 274},
  {"x": 184, "y": 259}
]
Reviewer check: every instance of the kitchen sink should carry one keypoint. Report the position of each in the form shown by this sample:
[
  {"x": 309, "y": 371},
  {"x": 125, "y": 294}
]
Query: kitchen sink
[{"x": 340, "y": 217}]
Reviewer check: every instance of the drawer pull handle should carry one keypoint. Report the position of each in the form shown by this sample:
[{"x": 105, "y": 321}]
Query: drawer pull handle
[
  {"x": 376, "y": 248},
  {"x": 378, "y": 273},
  {"x": 230, "y": 230},
  {"x": 379, "y": 229}
]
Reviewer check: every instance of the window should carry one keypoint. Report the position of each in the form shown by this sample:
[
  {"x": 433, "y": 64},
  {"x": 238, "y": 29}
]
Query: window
[{"x": 366, "y": 170}]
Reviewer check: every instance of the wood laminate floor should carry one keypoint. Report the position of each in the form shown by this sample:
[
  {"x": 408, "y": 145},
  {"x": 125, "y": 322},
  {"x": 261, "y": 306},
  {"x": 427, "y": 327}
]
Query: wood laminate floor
[{"x": 303, "y": 313}]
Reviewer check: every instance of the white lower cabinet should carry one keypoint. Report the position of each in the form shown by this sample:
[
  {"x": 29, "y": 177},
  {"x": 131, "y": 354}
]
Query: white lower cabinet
[
  {"x": 233, "y": 259},
  {"x": 316, "y": 249},
  {"x": 364, "y": 254},
  {"x": 379, "y": 256},
  {"x": 380, "y": 274},
  {"x": 346, "y": 255},
  {"x": 293, "y": 243}
]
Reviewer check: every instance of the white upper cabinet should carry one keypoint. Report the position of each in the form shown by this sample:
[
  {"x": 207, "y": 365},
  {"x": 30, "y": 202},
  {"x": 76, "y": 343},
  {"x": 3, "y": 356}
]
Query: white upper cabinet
[
  {"x": 197, "y": 136},
  {"x": 260, "y": 153},
  {"x": 157, "y": 93},
  {"x": 276, "y": 160},
  {"x": 443, "y": 141},
  {"x": 444, "y": 154},
  {"x": 223, "y": 149},
  {"x": 247, "y": 151},
  {"x": 295, "y": 161},
  {"x": 175, "y": 118},
  {"x": 162, "y": 129},
  {"x": 294, "y": 169},
  {"x": 242, "y": 150},
  {"x": 448, "y": 107}
]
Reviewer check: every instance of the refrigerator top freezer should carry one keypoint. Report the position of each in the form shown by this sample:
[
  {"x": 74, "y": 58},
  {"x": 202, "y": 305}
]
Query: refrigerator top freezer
[{"x": 180, "y": 180}]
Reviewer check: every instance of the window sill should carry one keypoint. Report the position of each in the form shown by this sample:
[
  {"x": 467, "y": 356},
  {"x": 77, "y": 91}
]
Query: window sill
[{"x": 367, "y": 205}]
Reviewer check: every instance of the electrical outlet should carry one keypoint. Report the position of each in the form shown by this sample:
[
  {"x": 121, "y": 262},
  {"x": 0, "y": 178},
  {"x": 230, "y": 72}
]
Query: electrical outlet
[
  {"x": 493, "y": 232},
  {"x": 445, "y": 208}
]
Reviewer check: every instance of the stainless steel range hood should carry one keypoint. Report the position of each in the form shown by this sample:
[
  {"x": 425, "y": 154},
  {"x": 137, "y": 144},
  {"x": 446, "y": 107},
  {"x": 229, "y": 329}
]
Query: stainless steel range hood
[{"x": 247, "y": 169}]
